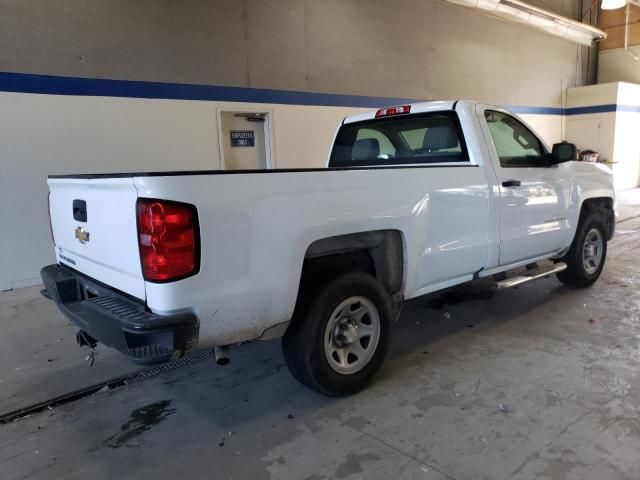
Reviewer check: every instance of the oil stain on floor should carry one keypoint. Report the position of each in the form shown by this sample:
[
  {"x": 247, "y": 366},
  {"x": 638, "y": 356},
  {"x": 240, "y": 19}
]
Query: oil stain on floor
[{"x": 141, "y": 420}]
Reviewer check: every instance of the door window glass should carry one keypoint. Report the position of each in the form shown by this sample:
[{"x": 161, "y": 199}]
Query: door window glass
[{"x": 515, "y": 144}]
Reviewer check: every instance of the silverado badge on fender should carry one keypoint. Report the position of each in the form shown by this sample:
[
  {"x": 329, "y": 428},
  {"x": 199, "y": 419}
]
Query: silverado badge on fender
[{"x": 82, "y": 235}]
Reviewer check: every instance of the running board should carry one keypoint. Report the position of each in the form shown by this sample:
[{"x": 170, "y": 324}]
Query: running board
[{"x": 531, "y": 275}]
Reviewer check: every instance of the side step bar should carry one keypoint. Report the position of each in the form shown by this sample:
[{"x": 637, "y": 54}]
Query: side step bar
[{"x": 530, "y": 275}]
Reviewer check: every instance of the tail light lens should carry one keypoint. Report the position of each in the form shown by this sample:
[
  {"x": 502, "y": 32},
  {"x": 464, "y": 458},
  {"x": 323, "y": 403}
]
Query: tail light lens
[{"x": 169, "y": 240}]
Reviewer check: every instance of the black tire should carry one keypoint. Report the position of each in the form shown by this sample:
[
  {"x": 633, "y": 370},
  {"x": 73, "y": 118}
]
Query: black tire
[
  {"x": 304, "y": 342},
  {"x": 576, "y": 274}
]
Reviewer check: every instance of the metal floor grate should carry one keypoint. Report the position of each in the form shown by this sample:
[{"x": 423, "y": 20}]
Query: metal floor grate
[{"x": 190, "y": 359}]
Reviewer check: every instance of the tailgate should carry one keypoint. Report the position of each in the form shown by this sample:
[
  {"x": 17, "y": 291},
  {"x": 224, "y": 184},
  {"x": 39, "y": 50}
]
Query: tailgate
[{"x": 95, "y": 232}]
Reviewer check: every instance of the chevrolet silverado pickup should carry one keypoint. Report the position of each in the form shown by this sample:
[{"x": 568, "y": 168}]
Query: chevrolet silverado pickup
[{"x": 413, "y": 199}]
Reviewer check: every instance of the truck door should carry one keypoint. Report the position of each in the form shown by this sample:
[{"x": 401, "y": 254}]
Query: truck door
[{"x": 532, "y": 202}]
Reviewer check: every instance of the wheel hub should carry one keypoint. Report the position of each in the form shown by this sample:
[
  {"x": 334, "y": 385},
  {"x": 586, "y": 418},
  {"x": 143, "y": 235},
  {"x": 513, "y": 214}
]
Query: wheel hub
[
  {"x": 345, "y": 332},
  {"x": 592, "y": 251},
  {"x": 351, "y": 335}
]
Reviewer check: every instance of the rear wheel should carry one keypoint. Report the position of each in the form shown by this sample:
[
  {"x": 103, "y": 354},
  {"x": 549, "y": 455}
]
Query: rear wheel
[
  {"x": 340, "y": 335},
  {"x": 585, "y": 259}
]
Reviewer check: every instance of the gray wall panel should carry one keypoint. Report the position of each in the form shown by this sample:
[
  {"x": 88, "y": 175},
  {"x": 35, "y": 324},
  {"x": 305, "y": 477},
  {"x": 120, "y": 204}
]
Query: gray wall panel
[{"x": 403, "y": 48}]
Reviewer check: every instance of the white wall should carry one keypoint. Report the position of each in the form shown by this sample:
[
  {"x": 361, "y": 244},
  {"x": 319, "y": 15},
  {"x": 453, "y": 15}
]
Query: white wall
[
  {"x": 55, "y": 134},
  {"x": 615, "y": 134},
  {"x": 406, "y": 48},
  {"x": 627, "y": 138},
  {"x": 592, "y": 131},
  {"x": 43, "y": 134},
  {"x": 549, "y": 127},
  {"x": 588, "y": 96}
]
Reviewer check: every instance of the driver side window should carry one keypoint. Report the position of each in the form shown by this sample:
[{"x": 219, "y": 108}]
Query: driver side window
[{"x": 515, "y": 144}]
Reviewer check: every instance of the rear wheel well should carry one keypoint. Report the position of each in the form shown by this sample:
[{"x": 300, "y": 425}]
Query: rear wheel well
[
  {"x": 380, "y": 253},
  {"x": 603, "y": 207}
]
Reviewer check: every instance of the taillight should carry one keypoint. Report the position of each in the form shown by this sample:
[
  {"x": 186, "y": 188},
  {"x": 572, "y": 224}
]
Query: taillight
[
  {"x": 168, "y": 238},
  {"x": 387, "y": 112}
]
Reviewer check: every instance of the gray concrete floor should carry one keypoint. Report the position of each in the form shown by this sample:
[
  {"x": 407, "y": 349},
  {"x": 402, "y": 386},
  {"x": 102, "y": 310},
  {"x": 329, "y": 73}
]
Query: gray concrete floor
[{"x": 536, "y": 382}]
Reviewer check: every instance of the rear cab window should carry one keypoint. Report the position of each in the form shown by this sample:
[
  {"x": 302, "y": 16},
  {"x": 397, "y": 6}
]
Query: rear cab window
[{"x": 425, "y": 138}]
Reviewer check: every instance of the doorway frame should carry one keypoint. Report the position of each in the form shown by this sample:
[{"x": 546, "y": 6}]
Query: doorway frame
[{"x": 268, "y": 132}]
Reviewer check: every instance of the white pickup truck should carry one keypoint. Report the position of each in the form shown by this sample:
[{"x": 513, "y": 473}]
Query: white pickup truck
[{"x": 414, "y": 199}]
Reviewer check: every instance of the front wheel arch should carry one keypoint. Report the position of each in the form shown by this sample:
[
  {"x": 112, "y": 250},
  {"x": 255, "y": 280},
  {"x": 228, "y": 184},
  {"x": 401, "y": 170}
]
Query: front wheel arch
[{"x": 601, "y": 206}]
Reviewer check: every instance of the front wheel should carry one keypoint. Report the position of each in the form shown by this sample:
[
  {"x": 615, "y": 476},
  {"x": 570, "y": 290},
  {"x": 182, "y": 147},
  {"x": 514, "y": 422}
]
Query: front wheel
[
  {"x": 340, "y": 336},
  {"x": 585, "y": 259}
]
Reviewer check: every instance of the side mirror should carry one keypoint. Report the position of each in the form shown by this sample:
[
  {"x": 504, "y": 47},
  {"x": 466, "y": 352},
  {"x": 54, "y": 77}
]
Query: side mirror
[{"x": 563, "y": 152}]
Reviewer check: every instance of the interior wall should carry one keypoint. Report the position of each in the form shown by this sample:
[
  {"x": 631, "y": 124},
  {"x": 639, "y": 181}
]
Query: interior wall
[
  {"x": 605, "y": 118},
  {"x": 593, "y": 130},
  {"x": 616, "y": 65},
  {"x": 627, "y": 151},
  {"x": 627, "y": 140},
  {"x": 421, "y": 49},
  {"x": 56, "y": 134},
  {"x": 46, "y": 134}
]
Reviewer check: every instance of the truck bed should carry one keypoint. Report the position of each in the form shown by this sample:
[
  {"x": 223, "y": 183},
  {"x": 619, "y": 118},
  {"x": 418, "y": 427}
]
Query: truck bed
[{"x": 255, "y": 232}]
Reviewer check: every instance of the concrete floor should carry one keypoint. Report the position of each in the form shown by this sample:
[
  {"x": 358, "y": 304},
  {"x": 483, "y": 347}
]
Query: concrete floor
[{"x": 536, "y": 382}]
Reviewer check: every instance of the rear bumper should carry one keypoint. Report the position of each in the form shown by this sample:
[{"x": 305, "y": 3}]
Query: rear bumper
[{"x": 117, "y": 321}]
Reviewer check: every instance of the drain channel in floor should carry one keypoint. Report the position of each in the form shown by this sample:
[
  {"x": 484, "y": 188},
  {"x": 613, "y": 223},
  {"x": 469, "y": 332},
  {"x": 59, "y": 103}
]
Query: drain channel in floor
[{"x": 190, "y": 359}]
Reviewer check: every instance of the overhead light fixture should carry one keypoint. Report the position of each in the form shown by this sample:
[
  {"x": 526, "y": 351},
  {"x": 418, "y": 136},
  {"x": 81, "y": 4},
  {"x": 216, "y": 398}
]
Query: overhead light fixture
[
  {"x": 521, "y": 12},
  {"x": 613, "y": 4}
]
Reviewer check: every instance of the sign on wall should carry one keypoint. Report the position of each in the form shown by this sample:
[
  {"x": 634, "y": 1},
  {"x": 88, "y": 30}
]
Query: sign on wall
[{"x": 242, "y": 138}]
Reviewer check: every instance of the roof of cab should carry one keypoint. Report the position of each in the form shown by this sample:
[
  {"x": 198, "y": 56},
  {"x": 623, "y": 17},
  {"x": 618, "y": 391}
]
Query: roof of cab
[{"x": 421, "y": 107}]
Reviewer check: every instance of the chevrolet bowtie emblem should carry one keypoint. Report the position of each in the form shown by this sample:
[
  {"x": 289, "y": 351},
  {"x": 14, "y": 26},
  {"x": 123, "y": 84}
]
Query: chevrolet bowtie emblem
[{"x": 82, "y": 235}]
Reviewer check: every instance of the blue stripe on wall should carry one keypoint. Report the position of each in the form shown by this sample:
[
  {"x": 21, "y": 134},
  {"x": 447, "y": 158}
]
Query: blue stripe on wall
[
  {"x": 53, "y": 85},
  {"x": 531, "y": 110},
  {"x": 592, "y": 109},
  {"x": 46, "y": 84}
]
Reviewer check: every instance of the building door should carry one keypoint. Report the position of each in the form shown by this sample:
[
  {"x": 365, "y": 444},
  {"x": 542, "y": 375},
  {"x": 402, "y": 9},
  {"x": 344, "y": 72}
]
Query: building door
[{"x": 244, "y": 140}]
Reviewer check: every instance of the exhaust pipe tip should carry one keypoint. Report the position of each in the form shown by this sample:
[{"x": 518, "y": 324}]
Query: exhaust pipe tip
[{"x": 222, "y": 355}]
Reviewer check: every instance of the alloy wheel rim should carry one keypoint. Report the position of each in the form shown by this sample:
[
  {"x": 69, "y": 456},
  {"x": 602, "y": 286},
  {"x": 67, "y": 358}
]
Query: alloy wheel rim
[{"x": 351, "y": 335}]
